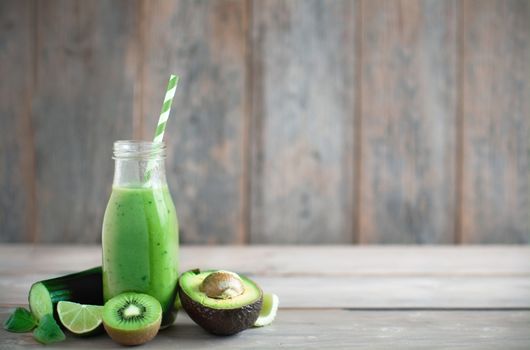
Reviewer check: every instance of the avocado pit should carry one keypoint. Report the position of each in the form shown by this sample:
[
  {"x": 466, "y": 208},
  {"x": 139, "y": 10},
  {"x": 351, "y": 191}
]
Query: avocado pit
[{"x": 222, "y": 285}]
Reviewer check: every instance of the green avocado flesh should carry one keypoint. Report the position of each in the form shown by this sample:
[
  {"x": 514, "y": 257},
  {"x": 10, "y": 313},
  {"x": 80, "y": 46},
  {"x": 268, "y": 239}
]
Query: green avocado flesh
[
  {"x": 219, "y": 316},
  {"x": 191, "y": 282}
]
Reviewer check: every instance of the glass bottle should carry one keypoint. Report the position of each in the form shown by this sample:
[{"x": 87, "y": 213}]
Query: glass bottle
[{"x": 140, "y": 227}]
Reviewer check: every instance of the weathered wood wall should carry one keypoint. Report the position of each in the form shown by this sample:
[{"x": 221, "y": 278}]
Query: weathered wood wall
[{"x": 296, "y": 121}]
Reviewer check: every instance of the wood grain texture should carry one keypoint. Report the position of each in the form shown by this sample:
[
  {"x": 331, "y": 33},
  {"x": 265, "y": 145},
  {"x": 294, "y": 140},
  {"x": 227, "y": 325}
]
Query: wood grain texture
[
  {"x": 302, "y": 121},
  {"x": 413, "y": 305},
  {"x": 408, "y": 110},
  {"x": 82, "y": 103},
  {"x": 295, "y": 121},
  {"x": 333, "y": 329},
  {"x": 17, "y": 172},
  {"x": 286, "y": 261},
  {"x": 496, "y": 122},
  {"x": 430, "y": 277},
  {"x": 205, "y": 43},
  {"x": 363, "y": 292}
]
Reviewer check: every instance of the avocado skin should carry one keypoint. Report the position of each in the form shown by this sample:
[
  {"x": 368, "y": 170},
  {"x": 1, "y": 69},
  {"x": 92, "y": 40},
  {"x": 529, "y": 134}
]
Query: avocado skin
[{"x": 221, "y": 321}]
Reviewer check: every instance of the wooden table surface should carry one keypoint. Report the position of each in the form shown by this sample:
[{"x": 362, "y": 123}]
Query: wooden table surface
[{"x": 330, "y": 296}]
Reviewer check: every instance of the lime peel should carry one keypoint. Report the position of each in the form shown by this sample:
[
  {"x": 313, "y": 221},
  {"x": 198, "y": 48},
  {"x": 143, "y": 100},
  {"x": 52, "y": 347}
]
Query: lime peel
[{"x": 268, "y": 310}]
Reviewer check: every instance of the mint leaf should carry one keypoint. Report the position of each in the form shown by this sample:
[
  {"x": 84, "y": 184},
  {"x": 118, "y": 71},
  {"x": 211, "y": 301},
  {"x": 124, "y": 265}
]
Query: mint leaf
[
  {"x": 48, "y": 331},
  {"x": 21, "y": 320}
]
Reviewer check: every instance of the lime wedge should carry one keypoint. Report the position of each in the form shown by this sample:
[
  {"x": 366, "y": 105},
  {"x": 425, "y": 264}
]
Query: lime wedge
[
  {"x": 79, "y": 319},
  {"x": 268, "y": 310}
]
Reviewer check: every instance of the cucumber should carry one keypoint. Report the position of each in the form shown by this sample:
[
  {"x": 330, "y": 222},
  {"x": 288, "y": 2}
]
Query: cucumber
[{"x": 85, "y": 287}]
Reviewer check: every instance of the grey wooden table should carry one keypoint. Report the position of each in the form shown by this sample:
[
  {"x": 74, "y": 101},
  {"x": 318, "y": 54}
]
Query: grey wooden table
[{"x": 331, "y": 296}]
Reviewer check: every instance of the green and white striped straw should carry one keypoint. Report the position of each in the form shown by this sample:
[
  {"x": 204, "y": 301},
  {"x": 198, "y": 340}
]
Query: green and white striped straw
[
  {"x": 166, "y": 108},
  {"x": 162, "y": 120}
]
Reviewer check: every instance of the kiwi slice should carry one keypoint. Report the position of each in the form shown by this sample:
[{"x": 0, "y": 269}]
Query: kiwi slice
[{"x": 132, "y": 318}]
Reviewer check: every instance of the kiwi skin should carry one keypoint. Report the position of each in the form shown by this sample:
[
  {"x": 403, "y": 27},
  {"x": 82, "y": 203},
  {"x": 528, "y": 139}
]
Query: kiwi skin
[{"x": 133, "y": 336}]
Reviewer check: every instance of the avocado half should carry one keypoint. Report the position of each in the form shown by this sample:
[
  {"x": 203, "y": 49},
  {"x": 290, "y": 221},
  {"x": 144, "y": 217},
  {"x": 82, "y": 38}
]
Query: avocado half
[{"x": 219, "y": 316}]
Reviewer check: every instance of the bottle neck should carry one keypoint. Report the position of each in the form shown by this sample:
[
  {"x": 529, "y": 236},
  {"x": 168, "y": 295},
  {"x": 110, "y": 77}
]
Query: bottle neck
[
  {"x": 139, "y": 173},
  {"x": 139, "y": 164}
]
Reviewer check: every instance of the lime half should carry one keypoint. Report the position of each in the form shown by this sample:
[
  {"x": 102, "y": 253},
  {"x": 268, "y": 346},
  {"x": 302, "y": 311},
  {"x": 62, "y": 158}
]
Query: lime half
[
  {"x": 268, "y": 310},
  {"x": 79, "y": 319}
]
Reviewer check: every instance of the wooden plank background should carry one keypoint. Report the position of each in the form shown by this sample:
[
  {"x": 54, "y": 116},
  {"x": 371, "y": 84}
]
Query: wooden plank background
[
  {"x": 496, "y": 121},
  {"x": 205, "y": 42},
  {"x": 295, "y": 121},
  {"x": 302, "y": 64},
  {"x": 408, "y": 112}
]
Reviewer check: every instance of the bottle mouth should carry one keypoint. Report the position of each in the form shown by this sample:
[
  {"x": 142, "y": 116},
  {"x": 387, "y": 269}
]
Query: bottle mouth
[{"x": 139, "y": 150}]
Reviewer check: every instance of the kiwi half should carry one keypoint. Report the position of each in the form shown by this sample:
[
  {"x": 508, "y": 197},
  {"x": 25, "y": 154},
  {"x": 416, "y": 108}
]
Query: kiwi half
[{"x": 132, "y": 318}]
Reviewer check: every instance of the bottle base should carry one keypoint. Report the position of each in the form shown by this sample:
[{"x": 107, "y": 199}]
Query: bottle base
[{"x": 168, "y": 319}]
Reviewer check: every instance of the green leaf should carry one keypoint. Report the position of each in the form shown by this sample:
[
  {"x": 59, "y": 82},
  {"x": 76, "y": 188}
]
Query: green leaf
[
  {"x": 20, "y": 321},
  {"x": 48, "y": 331}
]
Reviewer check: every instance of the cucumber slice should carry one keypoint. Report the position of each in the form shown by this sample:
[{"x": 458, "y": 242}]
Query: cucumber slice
[
  {"x": 268, "y": 310},
  {"x": 40, "y": 300},
  {"x": 83, "y": 287}
]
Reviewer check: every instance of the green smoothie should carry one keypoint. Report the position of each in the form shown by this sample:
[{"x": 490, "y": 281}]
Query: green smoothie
[{"x": 140, "y": 245}]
